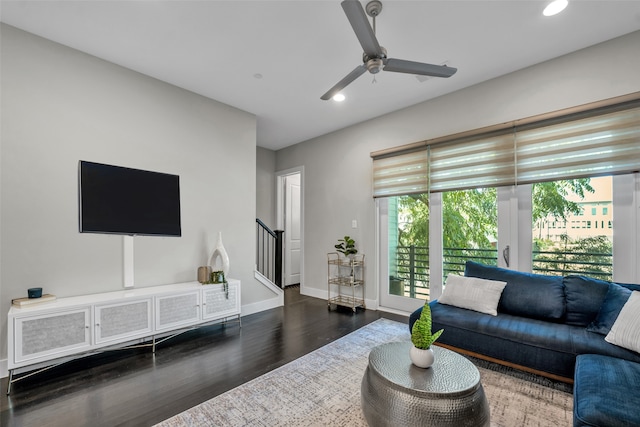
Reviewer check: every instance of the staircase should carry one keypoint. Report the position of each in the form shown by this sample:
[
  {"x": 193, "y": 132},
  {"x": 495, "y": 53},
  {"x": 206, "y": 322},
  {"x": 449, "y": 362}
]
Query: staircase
[{"x": 269, "y": 260}]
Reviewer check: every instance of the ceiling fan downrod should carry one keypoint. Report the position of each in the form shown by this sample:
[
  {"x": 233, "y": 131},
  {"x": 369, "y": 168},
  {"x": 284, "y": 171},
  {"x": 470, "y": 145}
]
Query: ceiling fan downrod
[
  {"x": 373, "y": 9},
  {"x": 376, "y": 64}
]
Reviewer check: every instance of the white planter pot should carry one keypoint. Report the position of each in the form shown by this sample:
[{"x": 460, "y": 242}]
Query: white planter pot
[{"x": 421, "y": 358}]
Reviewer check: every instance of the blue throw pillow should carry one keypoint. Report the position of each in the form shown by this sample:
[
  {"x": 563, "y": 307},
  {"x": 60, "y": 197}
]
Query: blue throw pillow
[
  {"x": 526, "y": 294},
  {"x": 616, "y": 297}
]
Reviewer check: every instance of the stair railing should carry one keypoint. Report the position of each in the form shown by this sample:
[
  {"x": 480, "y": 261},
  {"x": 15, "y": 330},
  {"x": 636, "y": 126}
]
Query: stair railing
[{"x": 269, "y": 258}]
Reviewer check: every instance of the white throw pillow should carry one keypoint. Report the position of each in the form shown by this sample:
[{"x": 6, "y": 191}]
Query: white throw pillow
[
  {"x": 472, "y": 293},
  {"x": 625, "y": 331}
]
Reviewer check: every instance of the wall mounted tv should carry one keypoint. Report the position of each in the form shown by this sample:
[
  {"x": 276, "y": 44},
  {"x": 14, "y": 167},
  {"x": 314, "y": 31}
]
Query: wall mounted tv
[{"x": 120, "y": 200}]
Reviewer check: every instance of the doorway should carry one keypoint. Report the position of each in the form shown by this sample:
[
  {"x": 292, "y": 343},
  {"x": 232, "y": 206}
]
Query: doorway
[{"x": 290, "y": 219}]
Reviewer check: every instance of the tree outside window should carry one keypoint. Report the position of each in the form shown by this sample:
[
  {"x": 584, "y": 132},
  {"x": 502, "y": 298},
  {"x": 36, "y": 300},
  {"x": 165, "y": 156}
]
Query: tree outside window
[
  {"x": 576, "y": 250},
  {"x": 470, "y": 231}
]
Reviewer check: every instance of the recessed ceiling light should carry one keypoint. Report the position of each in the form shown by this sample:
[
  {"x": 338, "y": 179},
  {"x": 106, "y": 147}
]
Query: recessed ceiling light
[
  {"x": 555, "y": 7},
  {"x": 338, "y": 97}
]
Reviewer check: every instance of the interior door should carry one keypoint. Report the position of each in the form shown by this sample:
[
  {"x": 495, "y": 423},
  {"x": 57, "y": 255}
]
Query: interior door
[{"x": 292, "y": 229}]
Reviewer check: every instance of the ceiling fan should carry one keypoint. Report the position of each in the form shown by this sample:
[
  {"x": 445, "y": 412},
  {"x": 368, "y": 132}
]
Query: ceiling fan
[{"x": 374, "y": 57}]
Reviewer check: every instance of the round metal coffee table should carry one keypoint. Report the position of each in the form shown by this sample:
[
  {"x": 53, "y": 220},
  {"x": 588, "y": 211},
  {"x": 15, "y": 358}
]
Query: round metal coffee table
[{"x": 397, "y": 393}]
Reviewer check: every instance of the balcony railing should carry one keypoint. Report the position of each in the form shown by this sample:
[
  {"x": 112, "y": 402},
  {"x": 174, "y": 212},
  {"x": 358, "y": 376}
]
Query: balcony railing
[
  {"x": 412, "y": 266},
  {"x": 412, "y": 271},
  {"x": 455, "y": 258},
  {"x": 597, "y": 265}
]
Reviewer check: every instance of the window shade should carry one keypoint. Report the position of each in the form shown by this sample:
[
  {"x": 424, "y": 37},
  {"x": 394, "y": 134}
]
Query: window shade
[
  {"x": 482, "y": 162},
  {"x": 607, "y": 144},
  {"x": 602, "y": 138},
  {"x": 406, "y": 173}
]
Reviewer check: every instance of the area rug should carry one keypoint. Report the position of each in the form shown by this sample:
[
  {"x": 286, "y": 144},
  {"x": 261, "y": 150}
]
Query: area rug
[{"x": 322, "y": 388}]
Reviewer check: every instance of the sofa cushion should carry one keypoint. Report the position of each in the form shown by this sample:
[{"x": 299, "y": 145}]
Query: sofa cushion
[
  {"x": 472, "y": 293},
  {"x": 584, "y": 297},
  {"x": 601, "y": 394},
  {"x": 526, "y": 294},
  {"x": 537, "y": 344},
  {"x": 613, "y": 302},
  {"x": 625, "y": 331},
  {"x": 585, "y": 342}
]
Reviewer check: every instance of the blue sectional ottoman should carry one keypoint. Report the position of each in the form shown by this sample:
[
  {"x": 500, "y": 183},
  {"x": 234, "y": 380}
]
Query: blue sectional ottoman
[{"x": 606, "y": 392}]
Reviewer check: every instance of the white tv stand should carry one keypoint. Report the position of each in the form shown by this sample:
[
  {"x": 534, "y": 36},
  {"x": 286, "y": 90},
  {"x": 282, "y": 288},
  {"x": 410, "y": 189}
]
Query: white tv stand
[{"x": 48, "y": 334}]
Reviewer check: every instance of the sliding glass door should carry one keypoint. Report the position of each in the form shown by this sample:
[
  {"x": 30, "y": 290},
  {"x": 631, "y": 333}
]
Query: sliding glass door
[{"x": 555, "y": 228}]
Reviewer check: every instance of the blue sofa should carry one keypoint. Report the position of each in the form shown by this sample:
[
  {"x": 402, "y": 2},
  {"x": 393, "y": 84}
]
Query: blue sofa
[{"x": 544, "y": 325}]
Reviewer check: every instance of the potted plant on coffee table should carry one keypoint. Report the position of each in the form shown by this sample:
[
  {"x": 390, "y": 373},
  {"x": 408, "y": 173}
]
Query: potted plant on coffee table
[{"x": 421, "y": 353}]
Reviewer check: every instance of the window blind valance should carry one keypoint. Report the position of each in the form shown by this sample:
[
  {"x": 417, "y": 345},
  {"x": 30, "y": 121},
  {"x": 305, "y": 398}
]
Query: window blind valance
[
  {"x": 406, "y": 173},
  {"x": 484, "y": 162},
  {"x": 606, "y": 144},
  {"x": 599, "y": 139}
]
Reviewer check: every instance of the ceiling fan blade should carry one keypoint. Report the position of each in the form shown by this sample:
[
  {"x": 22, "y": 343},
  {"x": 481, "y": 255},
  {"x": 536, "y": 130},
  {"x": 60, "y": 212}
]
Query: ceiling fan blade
[
  {"x": 360, "y": 24},
  {"x": 410, "y": 67},
  {"x": 357, "y": 72}
]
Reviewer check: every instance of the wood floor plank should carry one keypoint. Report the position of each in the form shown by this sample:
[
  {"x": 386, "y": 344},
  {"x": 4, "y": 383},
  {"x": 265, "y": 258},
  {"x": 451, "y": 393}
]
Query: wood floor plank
[{"x": 138, "y": 388}]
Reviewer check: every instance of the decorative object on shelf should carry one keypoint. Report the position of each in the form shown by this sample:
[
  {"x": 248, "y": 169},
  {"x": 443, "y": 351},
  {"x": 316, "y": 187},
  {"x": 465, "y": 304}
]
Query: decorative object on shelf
[
  {"x": 204, "y": 274},
  {"x": 346, "y": 246},
  {"x": 220, "y": 252},
  {"x": 34, "y": 292},
  {"x": 218, "y": 277},
  {"x": 421, "y": 353}
]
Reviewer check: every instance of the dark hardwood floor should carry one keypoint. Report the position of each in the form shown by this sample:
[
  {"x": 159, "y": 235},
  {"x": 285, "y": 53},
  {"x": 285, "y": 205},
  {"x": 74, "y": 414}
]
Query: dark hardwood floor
[{"x": 137, "y": 388}]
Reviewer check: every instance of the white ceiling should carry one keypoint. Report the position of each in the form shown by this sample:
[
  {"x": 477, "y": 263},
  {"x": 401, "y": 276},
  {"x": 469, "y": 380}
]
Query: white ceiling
[{"x": 302, "y": 48}]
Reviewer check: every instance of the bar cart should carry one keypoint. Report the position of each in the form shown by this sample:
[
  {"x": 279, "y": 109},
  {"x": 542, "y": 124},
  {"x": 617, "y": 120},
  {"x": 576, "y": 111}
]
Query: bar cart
[{"x": 345, "y": 280}]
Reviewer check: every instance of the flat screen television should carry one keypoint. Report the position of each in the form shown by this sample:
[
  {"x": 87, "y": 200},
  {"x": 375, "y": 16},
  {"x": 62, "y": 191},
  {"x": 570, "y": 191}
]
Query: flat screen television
[{"x": 120, "y": 200}]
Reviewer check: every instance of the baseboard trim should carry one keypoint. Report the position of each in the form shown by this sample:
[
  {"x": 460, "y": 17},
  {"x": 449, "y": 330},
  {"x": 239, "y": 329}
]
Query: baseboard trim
[
  {"x": 267, "y": 283},
  {"x": 259, "y": 306}
]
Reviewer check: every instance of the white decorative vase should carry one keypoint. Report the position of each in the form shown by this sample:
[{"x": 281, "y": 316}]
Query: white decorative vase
[
  {"x": 421, "y": 358},
  {"x": 220, "y": 252}
]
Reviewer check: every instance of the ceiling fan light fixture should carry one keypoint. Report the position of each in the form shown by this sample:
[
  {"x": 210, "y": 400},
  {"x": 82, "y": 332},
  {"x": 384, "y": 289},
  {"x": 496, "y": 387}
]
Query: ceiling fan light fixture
[
  {"x": 375, "y": 65},
  {"x": 555, "y": 7},
  {"x": 338, "y": 97}
]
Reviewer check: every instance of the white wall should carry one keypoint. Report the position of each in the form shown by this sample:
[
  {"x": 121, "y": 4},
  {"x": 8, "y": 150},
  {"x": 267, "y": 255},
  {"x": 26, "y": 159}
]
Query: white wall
[
  {"x": 60, "y": 106},
  {"x": 338, "y": 165}
]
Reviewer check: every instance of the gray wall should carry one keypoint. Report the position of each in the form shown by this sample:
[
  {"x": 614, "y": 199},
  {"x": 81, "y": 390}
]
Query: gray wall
[
  {"x": 266, "y": 186},
  {"x": 336, "y": 194},
  {"x": 60, "y": 106}
]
